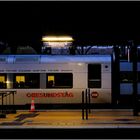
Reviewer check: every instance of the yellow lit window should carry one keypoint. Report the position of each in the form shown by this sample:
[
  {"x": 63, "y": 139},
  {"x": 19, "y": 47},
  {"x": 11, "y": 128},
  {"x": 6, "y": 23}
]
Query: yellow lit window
[
  {"x": 20, "y": 79},
  {"x": 51, "y": 78},
  {"x": 51, "y": 81},
  {"x": 2, "y": 79}
]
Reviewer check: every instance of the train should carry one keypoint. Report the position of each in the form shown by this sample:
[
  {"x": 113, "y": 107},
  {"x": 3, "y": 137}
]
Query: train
[
  {"x": 57, "y": 79},
  {"x": 61, "y": 79}
]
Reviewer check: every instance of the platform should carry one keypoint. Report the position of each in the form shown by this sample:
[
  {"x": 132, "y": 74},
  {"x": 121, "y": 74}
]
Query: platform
[
  {"x": 57, "y": 120},
  {"x": 98, "y": 118}
]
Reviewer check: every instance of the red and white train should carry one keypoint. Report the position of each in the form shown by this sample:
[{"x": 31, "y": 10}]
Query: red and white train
[{"x": 56, "y": 79}]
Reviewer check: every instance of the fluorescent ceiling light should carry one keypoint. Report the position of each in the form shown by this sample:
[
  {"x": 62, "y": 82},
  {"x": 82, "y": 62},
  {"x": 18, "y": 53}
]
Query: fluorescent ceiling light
[{"x": 57, "y": 38}]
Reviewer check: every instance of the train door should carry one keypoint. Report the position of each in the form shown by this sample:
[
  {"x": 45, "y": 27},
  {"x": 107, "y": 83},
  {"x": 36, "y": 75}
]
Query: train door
[
  {"x": 99, "y": 82},
  {"x": 94, "y": 75},
  {"x": 94, "y": 81}
]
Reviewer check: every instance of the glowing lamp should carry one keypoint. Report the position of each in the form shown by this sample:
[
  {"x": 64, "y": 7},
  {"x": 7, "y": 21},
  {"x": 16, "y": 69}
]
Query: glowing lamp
[{"x": 57, "y": 38}]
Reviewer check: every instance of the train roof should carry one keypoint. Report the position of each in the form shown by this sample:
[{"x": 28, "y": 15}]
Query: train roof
[{"x": 54, "y": 58}]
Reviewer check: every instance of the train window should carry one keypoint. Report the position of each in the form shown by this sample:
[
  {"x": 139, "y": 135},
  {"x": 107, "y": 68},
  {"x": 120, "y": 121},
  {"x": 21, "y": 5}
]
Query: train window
[
  {"x": 20, "y": 79},
  {"x": 2, "y": 81},
  {"x": 126, "y": 77},
  {"x": 59, "y": 80},
  {"x": 94, "y": 75},
  {"x": 26, "y": 80}
]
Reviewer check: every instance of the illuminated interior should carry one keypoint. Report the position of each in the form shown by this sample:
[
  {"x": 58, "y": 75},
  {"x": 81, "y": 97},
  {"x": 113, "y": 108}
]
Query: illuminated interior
[
  {"x": 2, "y": 79},
  {"x": 20, "y": 79},
  {"x": 51, "y": 78},
  {"x": 57, "y": 44}
]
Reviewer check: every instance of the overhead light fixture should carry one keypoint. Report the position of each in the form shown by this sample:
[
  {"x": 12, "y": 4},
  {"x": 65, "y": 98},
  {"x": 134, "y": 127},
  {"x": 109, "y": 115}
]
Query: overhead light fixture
[{"x": 57, "y": 38}]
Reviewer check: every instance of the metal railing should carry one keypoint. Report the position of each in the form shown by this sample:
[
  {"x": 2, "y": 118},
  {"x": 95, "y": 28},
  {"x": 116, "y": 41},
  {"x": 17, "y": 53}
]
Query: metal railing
[
  {"x": 7, "y": 95},
  {"x": 86, "y": 104}
]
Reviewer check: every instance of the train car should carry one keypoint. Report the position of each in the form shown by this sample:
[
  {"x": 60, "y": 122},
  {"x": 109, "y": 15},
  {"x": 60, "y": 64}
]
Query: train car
[{"x": 56, "y": 79}]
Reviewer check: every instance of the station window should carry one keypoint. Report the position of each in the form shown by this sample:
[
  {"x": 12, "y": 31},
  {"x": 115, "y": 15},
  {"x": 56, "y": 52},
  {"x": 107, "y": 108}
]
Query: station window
[
  {"x": 139, "y": 77},
  {"x": 125, "y": 53},
  {"x": 26, "y": 80},
  {"x": 126, "y": 77},
  {"x": 94, "y": 76},
  {"x": 138, "y": 52},
  {"x": 59, "y": 80},
  {"x": 2, "y": 81}
]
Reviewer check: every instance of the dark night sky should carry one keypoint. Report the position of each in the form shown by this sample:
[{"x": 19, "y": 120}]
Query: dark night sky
[{"x": 25, "y": 22}]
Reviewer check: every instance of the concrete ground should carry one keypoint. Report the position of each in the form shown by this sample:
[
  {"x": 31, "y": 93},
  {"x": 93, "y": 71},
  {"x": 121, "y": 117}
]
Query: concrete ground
[{"x": 98, "y": 118}]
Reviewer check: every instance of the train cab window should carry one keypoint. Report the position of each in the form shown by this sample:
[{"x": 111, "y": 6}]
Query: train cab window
[
  {"x": 126, "y": 77},
  {"x": 59, "y": 80},
  {"x": 2, "y": 81},
  {"x": 94, "y": 75},
  {"x": 26, "y": 80}
]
